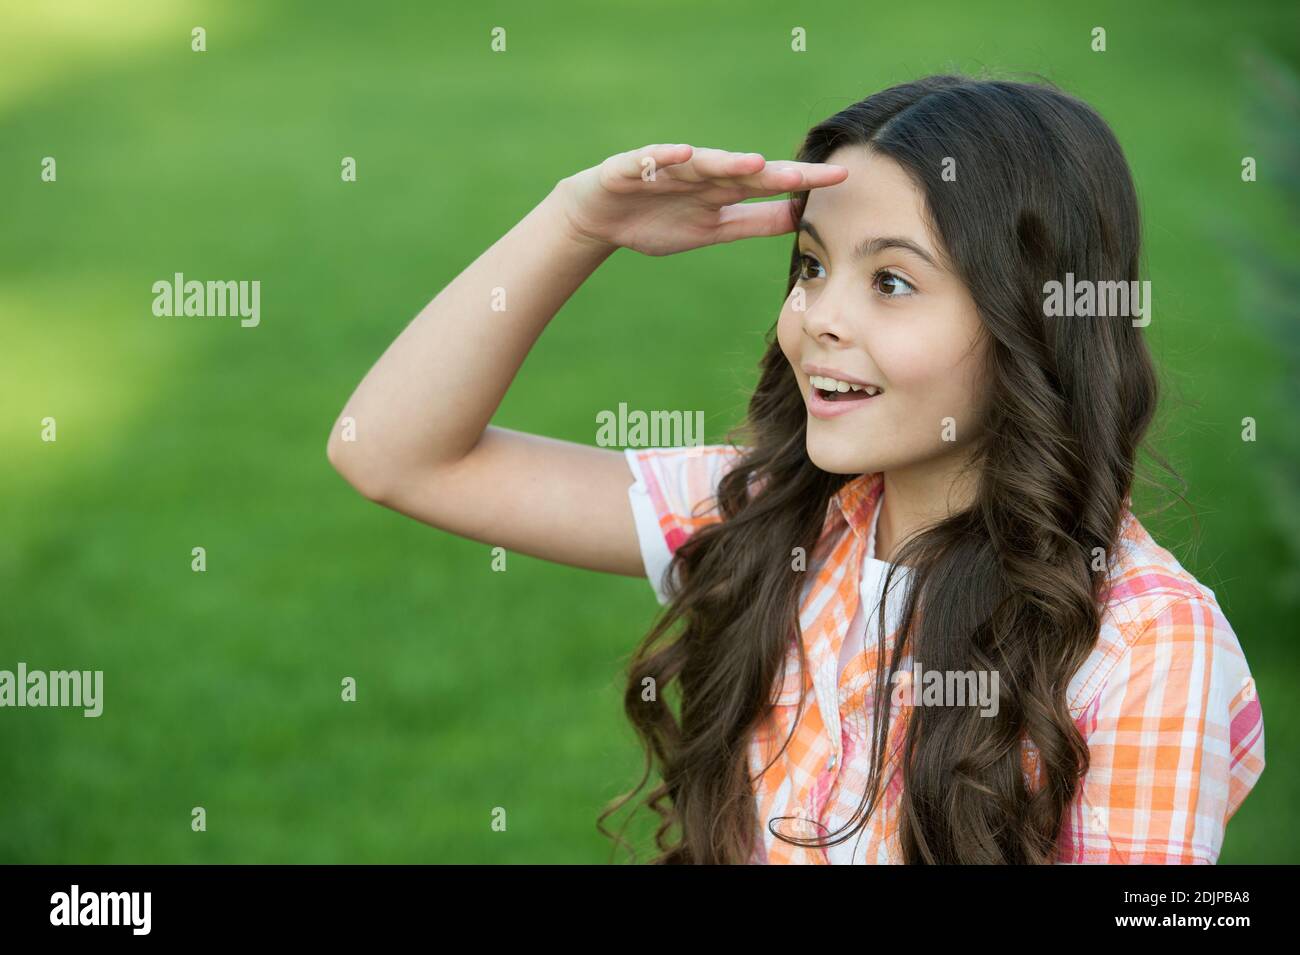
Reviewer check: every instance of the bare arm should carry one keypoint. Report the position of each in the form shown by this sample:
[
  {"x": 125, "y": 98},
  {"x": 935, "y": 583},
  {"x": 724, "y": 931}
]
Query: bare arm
[{"x": 422, "y": 443}]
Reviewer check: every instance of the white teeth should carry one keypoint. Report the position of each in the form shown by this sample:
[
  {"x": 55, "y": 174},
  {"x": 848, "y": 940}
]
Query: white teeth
[{"x": 823, "y": 383}]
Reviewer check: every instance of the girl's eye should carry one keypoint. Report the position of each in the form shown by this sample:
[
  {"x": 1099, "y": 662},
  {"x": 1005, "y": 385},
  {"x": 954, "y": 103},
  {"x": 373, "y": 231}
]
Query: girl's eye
[
  {"x": 804, "y": 259},
  {"x": 887, "y": 283},
  {"x": 891, "y": 285}
]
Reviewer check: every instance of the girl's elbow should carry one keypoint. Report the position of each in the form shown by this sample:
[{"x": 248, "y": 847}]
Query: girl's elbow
[{"x": 344, "y": 457}]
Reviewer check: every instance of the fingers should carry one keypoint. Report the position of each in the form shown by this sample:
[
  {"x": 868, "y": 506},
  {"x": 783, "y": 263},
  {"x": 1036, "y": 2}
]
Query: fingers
[
  {"x": 747, "y": 220},
  {"x": 749, "y": 171},
  {"x": 634, "y": 163},
  {"x": 787, "y": 175},
  {"x": 707, "y": 163},
  {"x": 719, "y": 167}
]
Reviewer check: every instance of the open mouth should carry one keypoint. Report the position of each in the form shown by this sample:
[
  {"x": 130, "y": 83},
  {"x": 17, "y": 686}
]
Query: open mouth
[{"x": 832, "y": 389}]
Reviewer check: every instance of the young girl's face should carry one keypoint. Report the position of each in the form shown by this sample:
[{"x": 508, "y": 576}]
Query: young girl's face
[{"x": 892, "y": 318}]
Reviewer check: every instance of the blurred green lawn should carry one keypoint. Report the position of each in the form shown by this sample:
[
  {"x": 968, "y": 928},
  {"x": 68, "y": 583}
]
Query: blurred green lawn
[{"x": 476, "y": 689}]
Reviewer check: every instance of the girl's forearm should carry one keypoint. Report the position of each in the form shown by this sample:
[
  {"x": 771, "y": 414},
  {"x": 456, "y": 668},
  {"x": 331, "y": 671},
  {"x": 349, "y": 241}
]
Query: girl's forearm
[{"x": 430, "y": 396}]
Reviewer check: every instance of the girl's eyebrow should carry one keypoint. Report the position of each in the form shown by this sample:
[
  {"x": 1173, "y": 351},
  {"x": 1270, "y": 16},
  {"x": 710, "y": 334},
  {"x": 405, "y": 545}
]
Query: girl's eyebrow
[{"x": 874, "y": 245}]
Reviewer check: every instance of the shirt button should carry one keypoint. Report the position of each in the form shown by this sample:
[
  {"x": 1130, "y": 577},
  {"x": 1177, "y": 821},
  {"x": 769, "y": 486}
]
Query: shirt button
[{"x": 830, "y": 761}]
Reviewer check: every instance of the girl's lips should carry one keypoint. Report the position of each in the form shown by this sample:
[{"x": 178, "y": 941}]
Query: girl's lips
[{"x": 820, "y": 407}]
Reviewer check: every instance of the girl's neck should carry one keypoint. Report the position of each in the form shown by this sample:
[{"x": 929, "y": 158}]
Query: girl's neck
[{"x": 916, "y": 497}]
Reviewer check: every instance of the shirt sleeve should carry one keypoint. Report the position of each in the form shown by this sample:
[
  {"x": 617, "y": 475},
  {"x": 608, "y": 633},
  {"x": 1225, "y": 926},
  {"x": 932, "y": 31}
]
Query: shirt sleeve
[
  {"x": 673, "y": 495},
  {"x": 1176, "y": 742}
]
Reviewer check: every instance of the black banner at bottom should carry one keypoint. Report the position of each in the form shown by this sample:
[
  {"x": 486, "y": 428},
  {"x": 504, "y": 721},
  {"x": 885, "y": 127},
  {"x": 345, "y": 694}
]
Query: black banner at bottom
[{"x": 334, "y": 904}]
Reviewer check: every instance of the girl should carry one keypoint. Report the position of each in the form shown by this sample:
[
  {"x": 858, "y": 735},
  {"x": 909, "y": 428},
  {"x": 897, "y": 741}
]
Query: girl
[{"x": 915, "y": 620}]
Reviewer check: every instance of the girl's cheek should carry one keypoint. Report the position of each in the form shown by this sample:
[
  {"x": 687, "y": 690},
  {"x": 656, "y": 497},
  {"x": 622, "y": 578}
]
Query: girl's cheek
[
  {"x": 908, "y": 365},
  {"x": 923, "y": 359},
  {"x": 944, "y": 400},
  {"x": 787, "y": 333},
  {"x": 928, "y": 382}
]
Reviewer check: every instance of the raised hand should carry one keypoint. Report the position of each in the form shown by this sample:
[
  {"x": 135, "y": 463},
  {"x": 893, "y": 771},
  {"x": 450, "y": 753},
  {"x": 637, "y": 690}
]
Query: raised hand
[{"x": 662, "y": 199}]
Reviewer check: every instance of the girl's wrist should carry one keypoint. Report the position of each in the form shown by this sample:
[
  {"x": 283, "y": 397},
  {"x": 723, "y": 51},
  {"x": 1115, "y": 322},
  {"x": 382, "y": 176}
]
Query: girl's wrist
[{"x": 560, "y": 205}]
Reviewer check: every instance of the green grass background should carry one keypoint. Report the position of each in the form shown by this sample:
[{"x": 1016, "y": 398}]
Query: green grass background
[{"x": 476, "y": 689}]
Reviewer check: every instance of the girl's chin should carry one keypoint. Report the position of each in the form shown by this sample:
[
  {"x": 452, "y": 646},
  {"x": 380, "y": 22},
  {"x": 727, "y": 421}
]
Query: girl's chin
[{"x": 841, "y": 457}]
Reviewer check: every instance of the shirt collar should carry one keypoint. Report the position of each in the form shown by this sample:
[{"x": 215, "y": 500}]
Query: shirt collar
[{"x": 857, "y": 500}]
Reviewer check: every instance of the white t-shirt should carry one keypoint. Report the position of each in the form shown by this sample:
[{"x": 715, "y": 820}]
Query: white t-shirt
[{"x": 871, "y": 588}]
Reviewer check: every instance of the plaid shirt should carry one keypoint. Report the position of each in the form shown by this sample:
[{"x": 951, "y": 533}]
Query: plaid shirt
[{"x": 1165, "y": 700}]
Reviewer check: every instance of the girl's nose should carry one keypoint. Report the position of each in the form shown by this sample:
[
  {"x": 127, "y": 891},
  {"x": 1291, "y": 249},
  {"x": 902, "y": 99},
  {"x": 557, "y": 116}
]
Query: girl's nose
[{"x": 825, "y": 322}]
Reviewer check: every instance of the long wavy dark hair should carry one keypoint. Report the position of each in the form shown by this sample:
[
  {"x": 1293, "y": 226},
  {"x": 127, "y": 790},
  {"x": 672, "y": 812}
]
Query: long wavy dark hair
[{"x": 1011, "y": 583}]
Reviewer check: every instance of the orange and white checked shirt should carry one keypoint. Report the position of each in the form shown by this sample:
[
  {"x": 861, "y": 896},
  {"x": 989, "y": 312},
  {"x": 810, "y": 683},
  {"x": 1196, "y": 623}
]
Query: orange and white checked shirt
[{"x": 1165, "y": 701}]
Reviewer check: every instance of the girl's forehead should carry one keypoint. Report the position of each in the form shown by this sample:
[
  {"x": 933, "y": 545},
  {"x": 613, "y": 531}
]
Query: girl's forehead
[{"x": 877, "y": 198}]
